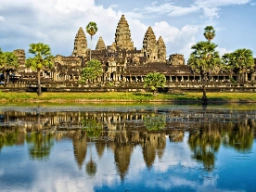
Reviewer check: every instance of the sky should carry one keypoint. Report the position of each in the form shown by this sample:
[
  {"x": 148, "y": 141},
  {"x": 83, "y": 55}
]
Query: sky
[{"x": 181, "y": 23}]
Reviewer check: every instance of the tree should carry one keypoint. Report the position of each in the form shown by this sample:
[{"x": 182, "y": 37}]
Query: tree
[
  {"x": 239, "y": 60},
  {"x": 242, "y": 61},
  {"x": 8, "y": 63},
  {"x": 155, "y": 122},
  {"x": 228, "y": 62},
  {"x": 204, "y": 143},
  {"x": 154, "y": 80},
  {"x": 40, "y": 144},
  {"x": 209, "y": 33},
  {"x": 42, "y": 59},
  {"x": 205, "y": 59},
  {"x": 92, "y": 70},
  {"x": 91, "y": 29}
]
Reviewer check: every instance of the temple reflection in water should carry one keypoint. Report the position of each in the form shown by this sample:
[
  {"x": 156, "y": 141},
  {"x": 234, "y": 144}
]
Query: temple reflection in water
[{"x": 121, "y": 132}]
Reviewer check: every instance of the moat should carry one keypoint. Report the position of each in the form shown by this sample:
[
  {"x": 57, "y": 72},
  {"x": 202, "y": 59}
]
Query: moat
[{"x": 141, "y": 147}]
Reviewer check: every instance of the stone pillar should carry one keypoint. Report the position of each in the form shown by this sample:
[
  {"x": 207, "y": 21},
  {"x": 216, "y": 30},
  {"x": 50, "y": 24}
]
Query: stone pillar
[{"x": 246, "y": 77}]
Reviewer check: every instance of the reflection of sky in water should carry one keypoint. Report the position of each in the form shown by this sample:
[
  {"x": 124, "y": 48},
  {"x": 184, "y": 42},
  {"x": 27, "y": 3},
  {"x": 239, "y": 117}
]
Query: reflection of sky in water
[{"x": 174, "y": 171}]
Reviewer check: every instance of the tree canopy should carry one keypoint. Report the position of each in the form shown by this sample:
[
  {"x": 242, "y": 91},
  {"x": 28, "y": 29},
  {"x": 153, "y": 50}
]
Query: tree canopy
[
  {"x": 42, "y": 59},
  {"x": 92, "y": 70},
  {"x": 209, "y": 33},
  {"x": 8, "y": 63},
  {"x": 91, "y": 29},
  {"x": 239, "y": 60},
  {"x": 205, "y": 59},
  {"x": 154, "y": 80}
]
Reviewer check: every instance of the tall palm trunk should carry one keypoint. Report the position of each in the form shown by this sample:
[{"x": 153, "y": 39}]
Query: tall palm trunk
[
  {"x": 5, "y": 79},
  {"x": 91, "y": 49},
  {"x": 39, "y": 90},
  {"x": 204, "y": 98}
]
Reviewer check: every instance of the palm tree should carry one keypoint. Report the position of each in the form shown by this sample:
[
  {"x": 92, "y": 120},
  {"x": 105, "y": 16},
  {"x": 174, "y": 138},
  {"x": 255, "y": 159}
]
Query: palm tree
[
  {"x": 228, "y": 60},
  {"x": 203, "y": 60},
  {"x": 8, "y": 63},
  {"x": 91, "y": 29},
  {"x": 42, "y": 59},
  {"x": 209, "y": 32},
  {"x": 243, "y": 61},
  {"x": 40, "y": 144}
]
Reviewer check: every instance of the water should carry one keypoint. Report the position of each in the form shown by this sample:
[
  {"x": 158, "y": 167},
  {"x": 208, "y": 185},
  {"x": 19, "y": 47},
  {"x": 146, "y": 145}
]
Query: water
[{"x": 127, "y": 148}]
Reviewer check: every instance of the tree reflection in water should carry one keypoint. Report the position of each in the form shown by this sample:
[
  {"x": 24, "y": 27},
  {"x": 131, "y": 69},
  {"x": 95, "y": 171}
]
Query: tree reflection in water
[
  {"x": 123, "y": 131},
  {"x": 154, "y": 138},
  {"x": 93, "y": 130},
  {"x": 240, "y": 135},
  {"x": 155, "y": 122},
  {"x": 11, "y": 137},
  {"x": 40, "y": 144},
  {"x": 204, "y": 143}
]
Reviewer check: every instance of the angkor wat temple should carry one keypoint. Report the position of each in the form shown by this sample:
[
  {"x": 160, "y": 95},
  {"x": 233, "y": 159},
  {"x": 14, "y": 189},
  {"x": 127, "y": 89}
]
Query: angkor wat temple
[{"x": 124, "y": 67}]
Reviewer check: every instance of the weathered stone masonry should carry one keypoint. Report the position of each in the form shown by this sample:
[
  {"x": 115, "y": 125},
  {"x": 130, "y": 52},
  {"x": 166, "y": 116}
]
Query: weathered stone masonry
[{"x": 124, "y": 67}]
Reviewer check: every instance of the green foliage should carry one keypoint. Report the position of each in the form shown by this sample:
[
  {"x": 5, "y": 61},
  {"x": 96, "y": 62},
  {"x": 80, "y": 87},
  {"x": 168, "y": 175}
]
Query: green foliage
[
  {"x": 154, "y": 80},
  {"x": 209, "y": 33},
  {"x": 91, "y": 28},
  {"x": 9, "y": 138},
  {"x": 204, "y": 58},
  {"x": 8, "y": 62},
  {"x": 154, "y": 122},
  {"x": 40, "y": 144},
  {"x": 92, "y": 70},
  {"x": 91, "y": 168},
  {"x": 239, "y": 60},
  {"x": 42, "y": 57},
  {"x": 11, "y": 60},
  {"x": 204, "y": 144},
  {"x": 92, "y": 127}
]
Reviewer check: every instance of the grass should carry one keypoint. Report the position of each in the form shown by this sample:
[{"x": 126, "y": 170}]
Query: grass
[{"x": 125, "y": 97}]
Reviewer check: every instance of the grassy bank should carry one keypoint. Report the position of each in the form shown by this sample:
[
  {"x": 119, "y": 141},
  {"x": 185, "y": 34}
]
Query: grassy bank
[{"x": 126, "y": 97}]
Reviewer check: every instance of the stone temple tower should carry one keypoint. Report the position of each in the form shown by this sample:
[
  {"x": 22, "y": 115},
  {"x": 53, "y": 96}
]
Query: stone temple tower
[
  {"x": 123, "y": 36},
  {"x": 80, "y": 44},
  {"x": 150, "y": 45},
  {"x": 100, "y": 44},
  {"x": 161, "y": 50}
]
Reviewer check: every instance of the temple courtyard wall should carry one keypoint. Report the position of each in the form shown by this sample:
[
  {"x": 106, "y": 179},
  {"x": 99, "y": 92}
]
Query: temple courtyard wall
[{"x": 31, "y": 86}]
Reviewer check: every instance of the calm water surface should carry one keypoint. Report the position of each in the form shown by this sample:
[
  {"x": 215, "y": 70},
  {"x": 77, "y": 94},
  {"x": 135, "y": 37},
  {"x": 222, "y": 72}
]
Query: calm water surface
[{"x": 127, "y": 148}]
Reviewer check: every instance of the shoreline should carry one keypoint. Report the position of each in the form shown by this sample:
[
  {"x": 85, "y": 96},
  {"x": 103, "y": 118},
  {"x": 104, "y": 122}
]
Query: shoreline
[
  {"x": 95, "y": 101},
  {"x": 131, "y": 97}
]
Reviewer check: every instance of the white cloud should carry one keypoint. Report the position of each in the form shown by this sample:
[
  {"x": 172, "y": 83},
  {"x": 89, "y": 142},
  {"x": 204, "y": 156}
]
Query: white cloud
[
  {"x": 219, "y": 3},
  {"x": 56, "y": 23},
  {"x": 67, "y": 6},
  {"x": 177, "y": 40},
  {"x": 2, "y": 18},
  {"x": 179, "y": 11},
  {"x": 210, "y": 8}
]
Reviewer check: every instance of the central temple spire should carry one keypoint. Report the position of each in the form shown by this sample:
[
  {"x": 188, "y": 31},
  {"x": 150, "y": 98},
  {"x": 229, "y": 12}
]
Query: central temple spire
[{"x": 123, "y": 35}]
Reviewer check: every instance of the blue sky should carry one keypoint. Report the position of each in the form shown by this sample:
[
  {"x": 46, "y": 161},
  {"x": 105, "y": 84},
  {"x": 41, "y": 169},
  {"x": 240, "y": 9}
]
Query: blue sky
[{"x": 179, "y": 22}]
